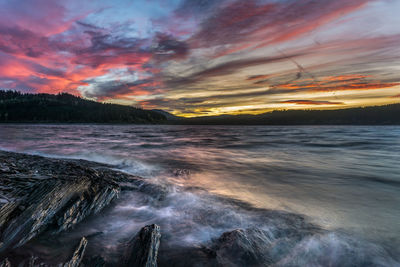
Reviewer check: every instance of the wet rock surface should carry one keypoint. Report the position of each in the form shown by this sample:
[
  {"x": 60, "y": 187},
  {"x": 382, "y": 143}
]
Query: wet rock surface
[
  {"x": 50, "y": 196},
  {"x": 46, "y": 194},
  {"x": 142, "y": 249},
  {"x": 5, "y": 263},
  {"x": 95, "y": 261},
  {"x": 76, "y": 259}
]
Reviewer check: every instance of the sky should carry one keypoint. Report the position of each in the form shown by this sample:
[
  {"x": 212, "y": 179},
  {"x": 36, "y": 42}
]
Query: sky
[{"x": 205, "y": 57}]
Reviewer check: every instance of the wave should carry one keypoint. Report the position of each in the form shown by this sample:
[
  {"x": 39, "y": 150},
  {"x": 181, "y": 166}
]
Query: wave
[
  {"x": 341, "y": 177},
  {"x": 203, "y": 229},
  {"x": 131, "y": 166}
]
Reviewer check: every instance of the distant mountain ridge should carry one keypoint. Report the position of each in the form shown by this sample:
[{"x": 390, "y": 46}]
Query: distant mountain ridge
[
  {"x": 168, "y": 115},
  {"x": 67, "y": 108},
  {"x": 373, "y": 115}
]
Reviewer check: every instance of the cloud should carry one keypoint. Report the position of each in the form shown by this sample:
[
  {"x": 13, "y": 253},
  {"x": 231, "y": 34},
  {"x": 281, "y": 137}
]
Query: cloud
[
  {"x": 198, "y": 55},
  {"x": 43, "y": 17},
  {"x": 118, "y": 83},
  {"x": 18, "y": 41},
  {"x": 168, "y": 48},
  {"x": 111, "y": 89},
  {"x": 260, "y": 23},
  {"x": 311, "y": 102},
  {"x": 52, "y": 72},
  {"x": 189, "y": 8},
  {"x": 258, "y": 77},
  {"x": 334, "y": 83},
  {"x": 226, "y": 68},
  {"x": 62, "y": 61}
]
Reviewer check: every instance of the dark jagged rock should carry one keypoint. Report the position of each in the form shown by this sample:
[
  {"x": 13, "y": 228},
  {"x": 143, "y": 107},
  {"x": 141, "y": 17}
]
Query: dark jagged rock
[
  {"x": 157, "y": 192},
  {"x": 5, "y": 263},
  {"x": 32, "y": 261},
  {"x": 336, "y": 249},
  {"x": 142, "y": 249},
  {"x": 182, "y": 256},
  {"x": 45, "y": 196},
  {"x": 57, "y": 203},
  {"x": 52, "y": 195},
  {"x": 76, "y": 259},
  {"x": 96, "y": 261},
  {"x": 48, "y": 194},
  {"x": 244, "y": 247},
  {"x": 257, "y": 247},
  {"x": 301, "y": 247}
]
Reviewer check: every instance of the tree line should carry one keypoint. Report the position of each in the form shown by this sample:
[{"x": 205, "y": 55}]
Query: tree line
[
  {"x": 374, "y": 115},
  {"x": 66, "y": 108}
]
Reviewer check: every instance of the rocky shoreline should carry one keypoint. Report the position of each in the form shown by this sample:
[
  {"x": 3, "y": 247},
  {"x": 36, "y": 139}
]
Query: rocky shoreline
[
  {"x": 41, "y": 195},
  {"x": 45, "y": 198}
]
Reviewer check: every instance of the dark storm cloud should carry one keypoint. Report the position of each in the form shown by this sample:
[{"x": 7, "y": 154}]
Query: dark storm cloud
[
  {"x": 48, "y": 71},
  {"x": 268, "y": 21},
  {"x": 110, "y": 49},
  {"x": 168, "y": 47},
  {"x": 104, "y": 48},
  {"x": 228, "y": 68},
  {"x": 87, "y": 25},
  {"x": 106, "y": 41},
  {"x": 15, "y": 40},
  {"x": 39, "y": 16},
  {"x": 112, "y": 88},
  {"x": 197, "y": 7}
]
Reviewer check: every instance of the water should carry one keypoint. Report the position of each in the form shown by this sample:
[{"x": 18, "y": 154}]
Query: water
[{"x": 345, "y": 179}]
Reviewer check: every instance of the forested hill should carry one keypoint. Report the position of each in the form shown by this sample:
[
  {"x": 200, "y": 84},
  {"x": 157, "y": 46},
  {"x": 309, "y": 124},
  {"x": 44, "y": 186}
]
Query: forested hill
[
  {"x": 375, "y": 115},
  {"x": 19, "y": 107},
  {"x": 66, "y": 108}
]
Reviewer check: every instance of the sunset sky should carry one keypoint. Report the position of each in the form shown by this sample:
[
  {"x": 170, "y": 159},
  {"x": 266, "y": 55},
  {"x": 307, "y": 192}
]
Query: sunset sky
[{"x": 205, "y": 57}]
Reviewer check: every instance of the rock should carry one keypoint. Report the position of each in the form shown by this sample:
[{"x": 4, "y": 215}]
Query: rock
[
  {"x": 336, "y": 249},
  {"x": 32, "y": 261},
  {"x": 182, "y": 256},
  {"x": 5, "y": 263},
  {"x": 77, "y": 256},
  {"x": 48, "y": 194},
  {"x": 142, "y": 249},
  {"x": 56, "y": 203},
  {"x": 243, "y": 248},
  {"x": 96, "y": 261},
  {"x": 256, "y": 247},
  {"x": 157, "y": 192},
  {"x": 44, "y": 196},
  {"x": 75, "y": 260}
]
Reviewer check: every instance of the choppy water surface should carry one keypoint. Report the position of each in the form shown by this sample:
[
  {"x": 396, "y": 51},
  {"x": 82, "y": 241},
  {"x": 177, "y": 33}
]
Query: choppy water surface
[{"x": 343, "y": 178}]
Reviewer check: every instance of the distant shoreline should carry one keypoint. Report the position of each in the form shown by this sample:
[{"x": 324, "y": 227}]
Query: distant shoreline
[
  {"x": 183, "y": 124},
  {"x": 64, "y": 108}
]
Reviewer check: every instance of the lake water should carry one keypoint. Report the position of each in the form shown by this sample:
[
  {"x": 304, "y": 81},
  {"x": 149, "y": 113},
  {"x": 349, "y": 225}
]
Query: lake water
[{"x": 344, "y": 178}]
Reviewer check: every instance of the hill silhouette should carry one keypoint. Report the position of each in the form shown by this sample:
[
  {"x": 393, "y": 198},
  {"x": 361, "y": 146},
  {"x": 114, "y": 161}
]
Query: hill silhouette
[
  {"x": 373, "y": 115},
  {"x": 67, "y": 108}
]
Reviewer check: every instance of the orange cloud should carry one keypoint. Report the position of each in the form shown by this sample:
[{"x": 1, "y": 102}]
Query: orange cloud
[{"x": 346, "y": 77}]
